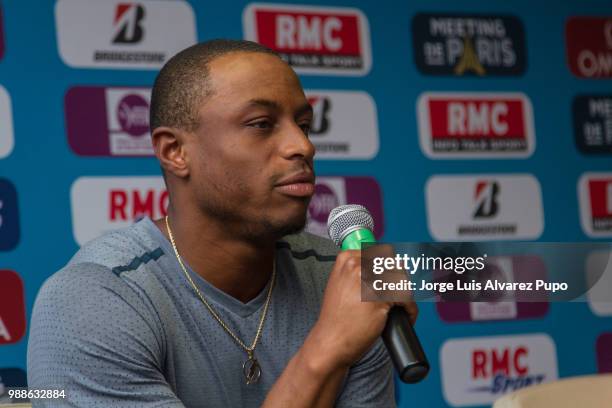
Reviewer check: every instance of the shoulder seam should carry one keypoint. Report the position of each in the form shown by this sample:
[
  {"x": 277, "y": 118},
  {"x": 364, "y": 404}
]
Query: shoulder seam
[{"x": 301, "y": 255}]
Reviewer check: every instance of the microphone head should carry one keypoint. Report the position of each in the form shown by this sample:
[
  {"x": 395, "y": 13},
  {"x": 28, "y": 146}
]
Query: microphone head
[{"x": 345, "y": 219}]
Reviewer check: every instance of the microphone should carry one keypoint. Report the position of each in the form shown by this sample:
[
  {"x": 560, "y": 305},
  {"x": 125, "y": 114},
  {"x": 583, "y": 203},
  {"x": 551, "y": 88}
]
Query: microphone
[{"x": 349, "y": 226}]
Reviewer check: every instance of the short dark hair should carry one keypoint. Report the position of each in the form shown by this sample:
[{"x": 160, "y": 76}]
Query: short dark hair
[{"x": 183, "y": 82}]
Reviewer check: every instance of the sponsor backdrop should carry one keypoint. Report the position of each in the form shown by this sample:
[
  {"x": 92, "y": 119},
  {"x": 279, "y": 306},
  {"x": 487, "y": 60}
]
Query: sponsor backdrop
[{"x": 475, "y": 120}]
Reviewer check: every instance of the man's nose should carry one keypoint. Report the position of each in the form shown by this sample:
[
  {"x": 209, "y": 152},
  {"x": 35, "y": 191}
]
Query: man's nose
[{"x": 296, "y": 143}]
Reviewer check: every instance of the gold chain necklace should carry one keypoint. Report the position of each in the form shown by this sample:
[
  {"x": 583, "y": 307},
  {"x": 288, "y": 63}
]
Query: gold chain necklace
[{"x": 250, "y": 368}]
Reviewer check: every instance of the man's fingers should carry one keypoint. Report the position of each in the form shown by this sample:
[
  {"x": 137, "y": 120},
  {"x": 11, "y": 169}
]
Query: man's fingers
[
  {"x": 412, "y": 309},
  {"x": 348, "y": 260}
]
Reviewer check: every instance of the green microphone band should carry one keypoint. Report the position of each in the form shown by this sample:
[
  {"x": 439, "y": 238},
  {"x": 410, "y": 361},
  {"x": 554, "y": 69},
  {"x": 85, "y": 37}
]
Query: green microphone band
[{"x": 356, "y": 238}]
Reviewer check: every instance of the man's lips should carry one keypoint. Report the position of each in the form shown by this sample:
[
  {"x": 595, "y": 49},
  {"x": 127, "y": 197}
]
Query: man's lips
[{"x": 297, "y": 185}]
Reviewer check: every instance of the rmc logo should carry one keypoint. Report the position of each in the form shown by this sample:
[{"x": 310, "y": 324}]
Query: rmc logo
[
  {"x": 477, "y": 371},
  {"x": 475, "y": 125},
  {"x": 101, "y": 204},
  {"x": 507, "y": 367},
  {"x": 315, "y": 40}
]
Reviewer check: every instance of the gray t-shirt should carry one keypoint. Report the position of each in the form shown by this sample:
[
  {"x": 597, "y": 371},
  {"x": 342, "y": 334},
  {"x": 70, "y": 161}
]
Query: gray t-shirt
[{"x": 120, "y": 326}]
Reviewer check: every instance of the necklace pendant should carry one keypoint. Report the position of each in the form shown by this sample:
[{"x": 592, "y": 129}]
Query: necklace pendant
[{"x": 251, "y": 370}]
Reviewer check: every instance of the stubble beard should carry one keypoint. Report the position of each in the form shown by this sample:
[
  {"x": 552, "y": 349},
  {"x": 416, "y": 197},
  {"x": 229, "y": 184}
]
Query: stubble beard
[{"x": 259, "y": 227}]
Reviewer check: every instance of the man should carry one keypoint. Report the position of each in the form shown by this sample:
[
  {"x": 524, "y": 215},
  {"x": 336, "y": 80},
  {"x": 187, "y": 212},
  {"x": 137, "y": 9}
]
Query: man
[{"x": 223, "y": 303}]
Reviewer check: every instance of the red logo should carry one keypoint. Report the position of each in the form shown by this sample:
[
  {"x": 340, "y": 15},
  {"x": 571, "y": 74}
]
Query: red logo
[
  {"x": 127, "y": 205},
  {"x": 600, "y": 193},
  {"x": 101, "y": 204},
  {"x": 322, "y": 38},
  {"x": 308, "y": 33},
  {"x": 508, "y": 367},
  {"x": 477, "y": 119},
  {"x": 488, "y": 363},
  {"x": 12, "y": 308},
  {"x": 589, "y": 46},
  {"x": 128, "y": 19},
  {"x": 485, "y": 196},
  {"x": 321, "y": 107},
  {"x": 478, "y": 370},
  {"x": 475, "y": 124}
]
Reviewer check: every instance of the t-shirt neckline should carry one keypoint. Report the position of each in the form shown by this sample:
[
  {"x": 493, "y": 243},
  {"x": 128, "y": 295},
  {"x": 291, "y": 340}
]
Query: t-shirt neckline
[{"x": 210, "y": 292}]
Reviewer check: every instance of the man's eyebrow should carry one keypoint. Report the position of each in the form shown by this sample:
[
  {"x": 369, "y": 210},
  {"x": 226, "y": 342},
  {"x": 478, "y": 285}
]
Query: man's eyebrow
[
  {"x": 266, "y": 103},
  {"x": 306, "y": 108}
]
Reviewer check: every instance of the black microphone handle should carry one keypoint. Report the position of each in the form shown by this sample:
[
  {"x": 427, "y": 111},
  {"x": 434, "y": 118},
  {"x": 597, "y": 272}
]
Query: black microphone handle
[{"x": 404, "y": 346}]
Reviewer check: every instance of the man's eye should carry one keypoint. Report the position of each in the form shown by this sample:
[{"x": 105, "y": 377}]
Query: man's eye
[
  {"x": 305, "y": 128},
  {"x": 261, "y": 124}
]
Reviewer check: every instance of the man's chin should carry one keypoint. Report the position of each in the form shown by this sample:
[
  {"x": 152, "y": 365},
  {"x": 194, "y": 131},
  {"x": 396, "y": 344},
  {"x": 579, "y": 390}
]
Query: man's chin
[
  {"x": 292, "y": 228},
  {"x": 287, "y": 226}
]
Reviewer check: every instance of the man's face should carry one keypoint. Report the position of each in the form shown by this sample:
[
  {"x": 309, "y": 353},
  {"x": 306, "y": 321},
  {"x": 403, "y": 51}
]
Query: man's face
[{"x": 251, "y": 160}]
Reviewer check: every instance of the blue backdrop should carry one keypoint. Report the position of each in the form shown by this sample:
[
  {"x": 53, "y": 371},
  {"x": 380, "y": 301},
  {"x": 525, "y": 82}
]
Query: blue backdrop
[{"x": 42, "y": 166}]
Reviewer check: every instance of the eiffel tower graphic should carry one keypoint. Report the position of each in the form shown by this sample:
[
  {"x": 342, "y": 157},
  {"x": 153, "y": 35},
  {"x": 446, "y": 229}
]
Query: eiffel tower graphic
[{"x": 469, "y": 60}]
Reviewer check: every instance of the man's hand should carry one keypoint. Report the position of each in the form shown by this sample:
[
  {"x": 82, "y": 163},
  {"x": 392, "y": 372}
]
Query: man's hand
[
  {"x": 347, "y": 326},
  {"x": 346, "y": 329}
]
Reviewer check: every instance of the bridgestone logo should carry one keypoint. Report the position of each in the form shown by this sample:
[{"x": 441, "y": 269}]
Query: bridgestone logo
[
  {"x": 508, "y": 229},
  {"x": 332, "y": 147},
  {"x": 481, "y": 207},
  {"x": 344, "y": 124},
  {"x": 122, "y": 35},
  {"x": 129, "y": 56}
]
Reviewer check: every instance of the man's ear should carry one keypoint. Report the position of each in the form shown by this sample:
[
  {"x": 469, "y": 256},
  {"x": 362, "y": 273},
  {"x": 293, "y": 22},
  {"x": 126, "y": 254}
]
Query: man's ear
[{"x": 168, "y": 144}]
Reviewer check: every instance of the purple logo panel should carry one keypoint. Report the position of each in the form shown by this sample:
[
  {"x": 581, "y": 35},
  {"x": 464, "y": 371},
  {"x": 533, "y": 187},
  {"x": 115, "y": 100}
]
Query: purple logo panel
[
  {"x": 604, "y": 353},
  {"x": 133, "y": 115},
  {"x": 105, "y": 121},
  {"x": 323, "y": 201},
  {"x": 331, "y": 192},
  {"x": 366, "y": 191},
  {"x": 521, "y": 268},
  {"x": 85, "y": 110},
  {"x": 1, "y": 36}
]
